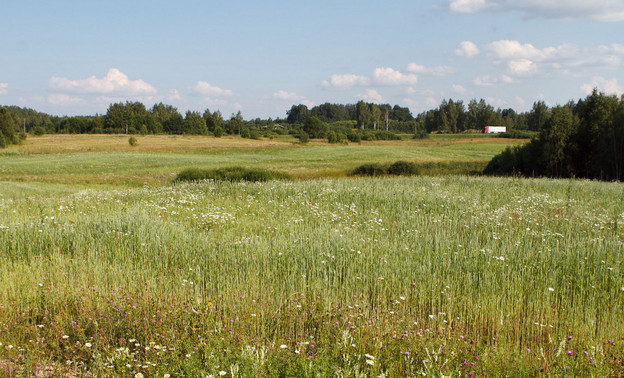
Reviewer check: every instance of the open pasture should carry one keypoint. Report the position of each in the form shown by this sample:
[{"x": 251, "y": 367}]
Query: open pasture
[
  {"x": 437, "y": 275},
  {"x": 155, "y": 160}
]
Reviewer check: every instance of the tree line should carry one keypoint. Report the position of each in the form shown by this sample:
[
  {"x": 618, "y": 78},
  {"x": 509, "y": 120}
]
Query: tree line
[
  {"x": 134, "y": 118},
  {"x": 583, "y": 139}
]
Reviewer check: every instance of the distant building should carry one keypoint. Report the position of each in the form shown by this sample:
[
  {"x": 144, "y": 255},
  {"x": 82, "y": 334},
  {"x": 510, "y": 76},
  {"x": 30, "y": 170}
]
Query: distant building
[{"x": 494, "y": 129}]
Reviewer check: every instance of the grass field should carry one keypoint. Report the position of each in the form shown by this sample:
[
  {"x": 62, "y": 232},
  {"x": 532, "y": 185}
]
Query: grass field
[
  {"x": 446, "y": 275},
  {"x": 102, "y": 159}
]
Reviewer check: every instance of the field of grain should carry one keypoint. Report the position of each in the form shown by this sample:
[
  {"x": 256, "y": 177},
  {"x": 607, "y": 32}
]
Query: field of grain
[{"x": 445, "y": 275}]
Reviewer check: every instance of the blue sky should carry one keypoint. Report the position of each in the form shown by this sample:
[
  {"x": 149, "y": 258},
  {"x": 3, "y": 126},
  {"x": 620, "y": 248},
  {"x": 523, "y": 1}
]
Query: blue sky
[{"x": 76, "y": 57}]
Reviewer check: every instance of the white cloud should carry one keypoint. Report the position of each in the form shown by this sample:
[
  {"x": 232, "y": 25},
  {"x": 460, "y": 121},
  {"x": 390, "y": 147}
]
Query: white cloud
[
  {"x": 206, "y": 89},
  {"x": 566, "y": 59},
  {"x": 459, "y": 89},
  {"x": 291, "y": 96},
  {"x": 4, "y": 88},
  {"x": 371, "y": 95},
  {"x": 467, "y": 49},
  {"x": 284, "y": 95},
  {"x": 381, "y": 76},
  {"x": 60, "y": 99},
  {"x": 434, "y": 71},
  {"x": 490, "y": 81},
  {"x": 522, "y": 67},
  {"x": 173, "y": 95},
  {"x": 345, "y": 81},
  {"x": 468, "y": 6},
  {"x": 599, "y": 10},
  {"x": 506, "y": 49},
  {"x": 389, "y": 76},
  {"x": 114, "y": 82},
  {"x": 608, "y": 86}
]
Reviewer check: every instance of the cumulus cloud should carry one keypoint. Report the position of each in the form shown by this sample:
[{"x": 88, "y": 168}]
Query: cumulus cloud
[
  {"x": 608, "y": 86},
  {"x": 434, "y": 71},
  {"x": 468, "y": 6},
  {"x": 291, "y": 96},
  {"x": 467, "y": 49},
  {"x": 206, "y": 89},
  {"x": 490, "y": 81},
  {"x": 389, "y": 76},
  {"x": 114, "y": 82},
  {"x": 381, "y": 76},
  {"x": 599, "y": 10},
  {"x": 345, "y": 81},
  {"x": 59, "y": 99},
  {"x": 371, "y": 95},
  {"x": 284, "y": 95},
  {"x": 566, "y": 59},
  {"x": 4, "y": 88},
  {"x": 459, "y": 89}
]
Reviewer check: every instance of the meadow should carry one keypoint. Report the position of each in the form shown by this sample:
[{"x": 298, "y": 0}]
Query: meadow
[{"x": 107, "y": 268}]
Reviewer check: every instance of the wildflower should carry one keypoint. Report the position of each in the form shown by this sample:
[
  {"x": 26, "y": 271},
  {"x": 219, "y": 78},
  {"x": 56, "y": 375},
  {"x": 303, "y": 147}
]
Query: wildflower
[
  {"x": 167, "y": 375},
  {"x": 138, "y": 375},
  {"x": 551, "y": 289},
  {"x": 370, "y": 362},
  {"x": 369, "y": 356},
  {"x": 284, "y": 346},
  {"x": 88, "y": 345},
  {"x": 65, "y": 337},
  {"x": 569, "y": 353},
  {"x": 222, "y": 373},
  {"x": 528, "y": 350},
  {"x": 402, "y": 298}
]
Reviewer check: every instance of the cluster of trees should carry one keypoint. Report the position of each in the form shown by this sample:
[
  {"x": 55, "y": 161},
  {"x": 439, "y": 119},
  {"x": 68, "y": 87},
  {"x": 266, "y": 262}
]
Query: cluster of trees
[
  {"x": 455, "y": 117},
  {"x": 365, "y": 115},
  {"x": 8, "y": 133},
  {"x": 134, "y": 118},
  {"x": 583, "y": 139}
]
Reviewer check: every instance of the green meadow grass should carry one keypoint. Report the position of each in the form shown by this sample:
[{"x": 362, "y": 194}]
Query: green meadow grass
[
  {"x": 449, "y": 275},
  {"x": 110, "y": 160}
]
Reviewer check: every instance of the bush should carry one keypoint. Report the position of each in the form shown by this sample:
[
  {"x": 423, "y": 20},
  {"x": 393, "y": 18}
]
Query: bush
[
  {"x": 233, "y": 174},
  {"x": 403, "y": 168},
  {"x": 304, "y": 137},
  {"x": 132, "y": 141},
  {"x": 335, "y": 137},
  {"x": 245, "y": 133},
  {"x": 354, "y": 137},
  {"x": 38, "y": 131},
  {"x": 370, "y": 170},
  {"x": 218, "y": 132}
]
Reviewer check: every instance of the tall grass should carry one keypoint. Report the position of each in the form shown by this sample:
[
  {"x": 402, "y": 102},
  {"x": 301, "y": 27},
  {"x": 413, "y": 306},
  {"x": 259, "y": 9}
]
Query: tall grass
[{"x": 305, "y": 278}]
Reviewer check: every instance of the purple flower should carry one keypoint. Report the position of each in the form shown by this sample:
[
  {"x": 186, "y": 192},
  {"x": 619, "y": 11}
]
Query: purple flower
[
  {"x": 569, "y": 353},
  {"x": 528, "y": 350}
]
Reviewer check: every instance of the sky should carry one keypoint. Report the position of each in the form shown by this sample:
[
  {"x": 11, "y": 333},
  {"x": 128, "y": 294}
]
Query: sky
[{"x": 69, "y": 57}]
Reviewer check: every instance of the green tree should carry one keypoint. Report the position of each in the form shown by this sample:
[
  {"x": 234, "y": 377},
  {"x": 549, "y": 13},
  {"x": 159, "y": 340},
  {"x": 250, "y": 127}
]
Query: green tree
[
  {"x": 363, "y": 114},
  {"x": 7, "y": 128},
  {"x": 555, "y": 138},
  {"x": 315, "y": 128},
  {"x": 195, "y": 124},
  {"x": 538, "y": 116}
]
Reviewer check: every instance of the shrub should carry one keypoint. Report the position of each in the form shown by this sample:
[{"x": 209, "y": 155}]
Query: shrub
[
  {"x": 304, "y": 137},
  {"x": 403, "y": 168},
  {"x": 245, "y": 133},
  {"x": 218, "y": 132},
  {"x": 38, "y": 131},
  {"x": 233, "y": 174},
  {"x": 370, "y": 170},
  {"x": 132, "y": 141}
]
